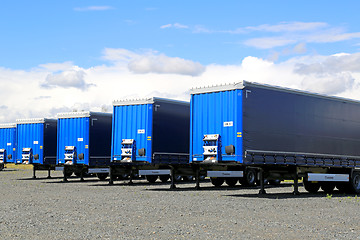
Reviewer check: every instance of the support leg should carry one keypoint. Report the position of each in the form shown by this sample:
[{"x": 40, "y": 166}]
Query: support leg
[
  {"x": 197, "y": 178},
  {"x": 49, "y": 176},
  {"x": 65, "y": 177},
  {"x": 131, "y": 178},
  {"x": 262, "y": 186},
  {"x": 111, "y": 181},
  {"x": 34, "y": 171},
  {"x": 172, "y": 175},
  {"x": 296, "y": 185},
  {"x": 82, "y": 175}
]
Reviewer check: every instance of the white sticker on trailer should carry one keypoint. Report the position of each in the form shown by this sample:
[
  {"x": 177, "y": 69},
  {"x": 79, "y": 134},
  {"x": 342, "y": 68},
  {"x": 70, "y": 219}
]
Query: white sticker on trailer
[
  {"x": 141, "y": 131},
  {"x": 228, "y": 124},
  {"x": 80, "y": 139},
  {"x": 327, "y": 177},
  {"x": 225, "y": 173},
  {"x": 36, "y": 142},
  {"x": 8, "y": 144}
]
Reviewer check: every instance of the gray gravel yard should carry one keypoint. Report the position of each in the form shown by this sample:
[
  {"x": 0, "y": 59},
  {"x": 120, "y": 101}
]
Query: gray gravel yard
[{"x": 48, "y": 209}]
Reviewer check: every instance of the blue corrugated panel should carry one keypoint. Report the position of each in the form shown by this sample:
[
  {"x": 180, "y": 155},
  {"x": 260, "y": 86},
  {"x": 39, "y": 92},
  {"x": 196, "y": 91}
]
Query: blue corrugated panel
[
  {"x": 132, "y": 122},
  {"x": 73, "y": 132},
  {"x": 8, "y": 142},
  {"x": 216, "y": 113},
  {"x": 31, "y": 136}
]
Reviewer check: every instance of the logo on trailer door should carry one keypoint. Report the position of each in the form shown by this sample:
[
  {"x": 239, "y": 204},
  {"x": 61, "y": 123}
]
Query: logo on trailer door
[
  {"x": 36, "y": 142},
  {"x": 141, "y": 131},
  {"x": 8, "y": 144},
  {"x": 80, "y": 139},
  {"x": 228, "y": 124}
]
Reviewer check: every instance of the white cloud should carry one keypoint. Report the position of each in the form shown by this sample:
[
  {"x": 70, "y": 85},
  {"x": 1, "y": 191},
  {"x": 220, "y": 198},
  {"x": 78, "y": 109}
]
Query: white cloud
[
  {"x": 23, "y": 97},
  {"x": 93, "y": 8},
  {"x": 269, "y": 42},
  {"x": 152, "y": 62},
  {"x": 288, "y": 27},
  {"x": 295, "y": 34},
  {"x": 71, "y": 78},
  {"x": 174, "y": 25}
]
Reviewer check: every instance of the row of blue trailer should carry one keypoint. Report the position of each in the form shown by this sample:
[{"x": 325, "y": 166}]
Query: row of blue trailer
[{"x": 244, "y": 132}]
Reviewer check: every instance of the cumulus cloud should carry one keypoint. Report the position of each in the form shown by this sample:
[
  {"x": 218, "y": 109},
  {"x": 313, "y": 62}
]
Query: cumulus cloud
[
  {"x": 152, "y": 62},
  {"x": 23, "y": 97},
  {"x": 70, "y": 78},
  {"x": 93, "y": 8}
]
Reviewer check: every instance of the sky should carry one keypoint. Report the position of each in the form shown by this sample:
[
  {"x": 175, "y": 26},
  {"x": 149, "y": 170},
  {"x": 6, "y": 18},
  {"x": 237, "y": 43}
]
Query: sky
[{"x": 60, "y": 56}]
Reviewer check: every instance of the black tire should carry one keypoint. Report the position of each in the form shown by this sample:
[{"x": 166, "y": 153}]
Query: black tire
[
  {"x": 151, "y": 178},
  {"x": 187, "y": 178},
  {"x": 311, "y": 187},
  {"x": 343, "y": 187},
  {"x": 202, "y": 177},
  {"x": 177, "y": 178},
  {"x": 78, "y": 174},
  {"x": 249, "y": 179},
  {"x": 231, "y": 182},
  {"x": 355, "y": 182},
  {"x": 68, "y": 174},
  {"x": 164, "y": 178},
  {"x": 327, "y": 187},
  {"x": 217, "y": 182},
  {"x": 102, "y": 176},
  {"x": 275, "y": 182}
]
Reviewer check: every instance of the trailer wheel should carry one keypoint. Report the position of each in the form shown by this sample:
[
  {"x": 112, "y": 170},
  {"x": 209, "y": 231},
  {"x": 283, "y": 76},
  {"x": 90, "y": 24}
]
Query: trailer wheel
[
  {"x": 249, "y": 179},
  {"x": 311, "y": 187},
  {"x": 231, "y": 182},
  {"x": 68, "y": 173},
  {"x": 151, "y": 178},
  {"x": 355, "y": 182},
  {"x": 164, "y": 178},
  {"x": 275, "y": 182},
  {"x": 217, "y": 182},
  {"x": 328, "y": 187},
  {"x": 177, "y": 178},
  {"x": 343, "y": 187},
  {"x": 187, "y": 178},
  {"x": 102, "y": 176}
]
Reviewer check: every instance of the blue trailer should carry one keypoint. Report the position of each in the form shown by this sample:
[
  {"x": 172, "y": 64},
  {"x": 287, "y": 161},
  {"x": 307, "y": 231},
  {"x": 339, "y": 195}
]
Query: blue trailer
[
  {"x": 84, "y": 143},
  {"x": 278, "y": 133},
  {"x": 7, "y": 143},
  {"x": 36, "y": 143},
  {"x": 149, "y": 134}
]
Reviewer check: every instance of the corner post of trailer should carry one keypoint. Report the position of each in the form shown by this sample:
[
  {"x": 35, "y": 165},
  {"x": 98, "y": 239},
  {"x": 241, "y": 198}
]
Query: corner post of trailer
[
  {"x": 172, "y": 175},
  {"x": 296, "y": 183},
  {"x": 34, "y": 171},
  {"x": 197, "y": 178},
  {"x": 111, "y": 180},
  {"x": 64, "y": 172},
  {"x": 262, "y": 185}
]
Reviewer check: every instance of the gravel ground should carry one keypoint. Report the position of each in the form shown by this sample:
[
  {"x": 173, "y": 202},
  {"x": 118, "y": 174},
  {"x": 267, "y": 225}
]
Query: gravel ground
[{"x": 48, "y": 209}]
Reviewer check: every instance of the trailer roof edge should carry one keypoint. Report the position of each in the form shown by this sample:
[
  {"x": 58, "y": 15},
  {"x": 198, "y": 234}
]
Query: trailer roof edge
[
  {"x": 8, "y": 125},
  {"x": 243, "y": 84},
  {"x": 143, "y": 101}
]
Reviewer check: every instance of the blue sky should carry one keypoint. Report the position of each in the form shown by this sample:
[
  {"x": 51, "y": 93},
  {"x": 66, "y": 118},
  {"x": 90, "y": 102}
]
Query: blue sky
[
  {"x": 38, "y": 32},
  {"x": 60, "y": 56}
]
